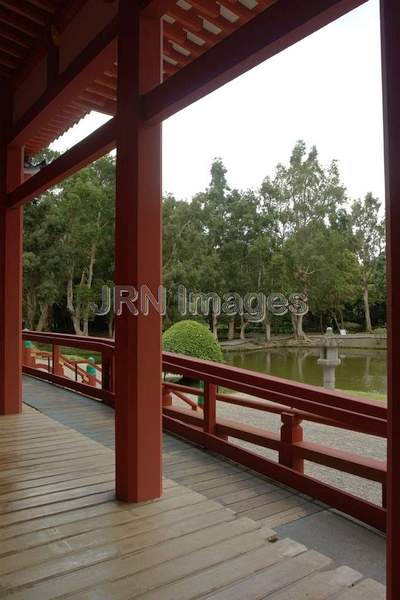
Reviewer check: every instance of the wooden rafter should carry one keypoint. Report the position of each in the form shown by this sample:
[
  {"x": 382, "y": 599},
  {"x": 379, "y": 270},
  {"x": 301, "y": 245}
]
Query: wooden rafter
[{"x": 271, "y": 31}]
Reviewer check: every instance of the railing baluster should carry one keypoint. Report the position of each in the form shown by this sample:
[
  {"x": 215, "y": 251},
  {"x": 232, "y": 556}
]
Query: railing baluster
[
  {"x": 106, "y": 362},
  {"x": 291, "y": 432},
  {"x": 28, "y": 356},
  {"x": 166, "y": 396},
  {"x": 91, "y": 371},
  {"x": 210, "y": 407},
  {"x": 57, "y": 368}
]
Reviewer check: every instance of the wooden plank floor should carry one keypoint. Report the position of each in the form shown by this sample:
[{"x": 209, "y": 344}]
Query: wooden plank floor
[
  {"x": 63, "y": 534},
  {"x": 234, "y": 486}
]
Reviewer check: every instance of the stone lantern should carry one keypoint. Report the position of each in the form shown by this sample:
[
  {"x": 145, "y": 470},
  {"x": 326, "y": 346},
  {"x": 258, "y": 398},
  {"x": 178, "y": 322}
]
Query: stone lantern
[{"x": 329, "y": 358}]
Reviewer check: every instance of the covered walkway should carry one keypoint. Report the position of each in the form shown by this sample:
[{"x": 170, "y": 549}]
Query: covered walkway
[{"x": 63, "y": 534}]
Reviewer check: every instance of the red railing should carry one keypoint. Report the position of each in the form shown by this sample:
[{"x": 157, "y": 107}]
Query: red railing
[
  {"x": 294, "y": 403},
  {"x": 56, "y": 367}
]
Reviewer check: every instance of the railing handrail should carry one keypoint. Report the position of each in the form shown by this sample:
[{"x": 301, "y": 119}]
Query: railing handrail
[
  {"x": 220, "y": 373},
  {"x": 294, "y": 402},
  {"x": 67, "y": 339}
]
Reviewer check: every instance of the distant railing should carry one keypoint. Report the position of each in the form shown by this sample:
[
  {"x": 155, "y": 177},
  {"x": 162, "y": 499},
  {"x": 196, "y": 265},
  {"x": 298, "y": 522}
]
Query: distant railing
[
  {"x": 56, "y": 366},
  {"x": 294, "y": 403}
]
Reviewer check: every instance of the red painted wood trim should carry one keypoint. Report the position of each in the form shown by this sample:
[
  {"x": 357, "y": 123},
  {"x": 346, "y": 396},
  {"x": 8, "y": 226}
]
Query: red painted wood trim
[
  {"x": 138, "y": 223},
  {"x": 292, "y": 388},
  {"x": 363, "y": 510},
  {"x": 348, "y": 462},
  {"x": 271, "y": 31},
  {"x": 210, "y": 407},
  {"x": 274, "y": 408},
  {"x": 83, "y": 153},
  {"x": 82, "y": 388},
  {"x": 232, "y": 378},
  {"x": 248, "y": 433},
  {"x": 11, "y": 256},
  {"x": 390, "y": 24},
  {"x": 90, "y": 63},
  {"x": 73, "y": 341}
]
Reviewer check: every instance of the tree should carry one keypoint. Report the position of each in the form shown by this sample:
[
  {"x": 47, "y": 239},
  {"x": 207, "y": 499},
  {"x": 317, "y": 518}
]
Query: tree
[
  {"x": 369, "y": 238},
  {"x": 212, "y": 211},
  {"x": 305, "y": 196},
  {"x": 86, "y": 205},
  {"x": 41, "y": 261}
]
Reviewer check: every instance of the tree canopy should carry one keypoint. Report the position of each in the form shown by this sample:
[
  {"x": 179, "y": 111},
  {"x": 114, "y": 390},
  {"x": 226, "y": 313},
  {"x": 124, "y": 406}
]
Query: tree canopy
[{"x": 299, "y": 232}]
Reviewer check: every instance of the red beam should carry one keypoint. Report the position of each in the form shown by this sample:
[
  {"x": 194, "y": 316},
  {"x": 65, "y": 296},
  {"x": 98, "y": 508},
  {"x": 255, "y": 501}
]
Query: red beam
[
  {"x": 390, "y": 24},
  {"x": 89, "y": 149},
  {"x": 270, "y": 32},
  {"x": 44, "y": 43},
  {"x": 90, "y": 63},
  {"x": 156, "y": 8}
]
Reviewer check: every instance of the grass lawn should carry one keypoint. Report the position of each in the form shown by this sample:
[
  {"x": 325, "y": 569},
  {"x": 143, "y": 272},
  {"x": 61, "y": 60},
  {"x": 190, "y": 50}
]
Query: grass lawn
[{"x": 367, "y": 395}]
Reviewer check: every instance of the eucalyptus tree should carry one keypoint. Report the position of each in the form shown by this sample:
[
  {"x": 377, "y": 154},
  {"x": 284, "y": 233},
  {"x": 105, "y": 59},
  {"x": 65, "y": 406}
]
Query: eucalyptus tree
[
  {"x": 305, "y": 196},
  {"x": 369, "y": 233},
  {"x": 86, "y": 207},
  {"x": 42, "y": 263}
]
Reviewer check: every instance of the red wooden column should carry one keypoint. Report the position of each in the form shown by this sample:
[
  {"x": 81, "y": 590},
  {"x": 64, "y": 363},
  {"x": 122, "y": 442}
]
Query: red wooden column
[
  {"x": 138, "y": 261},
  {"x": 11, "y": 227},
  {"x": 390, "y": 27}
]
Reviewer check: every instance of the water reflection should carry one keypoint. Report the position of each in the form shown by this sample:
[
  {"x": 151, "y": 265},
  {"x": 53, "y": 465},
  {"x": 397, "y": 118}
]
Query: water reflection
[{"x": 360, "y": 370}]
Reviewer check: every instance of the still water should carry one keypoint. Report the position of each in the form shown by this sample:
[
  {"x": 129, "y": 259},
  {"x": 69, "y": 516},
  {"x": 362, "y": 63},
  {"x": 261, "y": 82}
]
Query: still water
[{"x": 361, "y": 370}]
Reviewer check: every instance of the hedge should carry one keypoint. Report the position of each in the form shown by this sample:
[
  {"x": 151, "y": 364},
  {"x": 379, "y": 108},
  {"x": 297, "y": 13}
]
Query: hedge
[{"x": 192, "y": 339}]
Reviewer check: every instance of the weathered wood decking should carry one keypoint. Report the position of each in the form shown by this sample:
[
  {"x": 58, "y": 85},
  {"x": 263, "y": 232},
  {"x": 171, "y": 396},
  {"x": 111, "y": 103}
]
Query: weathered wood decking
[{"x": 63, "y": 534}]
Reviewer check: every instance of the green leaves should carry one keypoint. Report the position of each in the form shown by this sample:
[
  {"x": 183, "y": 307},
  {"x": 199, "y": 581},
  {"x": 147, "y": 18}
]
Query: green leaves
[{"x": 192, "y": 339}]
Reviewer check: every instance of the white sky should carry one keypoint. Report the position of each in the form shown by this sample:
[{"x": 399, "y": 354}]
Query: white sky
[{"x": 326, "y": 90}]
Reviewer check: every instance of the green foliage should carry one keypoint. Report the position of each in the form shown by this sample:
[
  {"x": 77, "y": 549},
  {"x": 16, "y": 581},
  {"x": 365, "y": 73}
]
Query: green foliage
[
  {"x": 299, "y": 232},
  {"x": 69, "y": 246},
  {"x": 192, "y": 339}
]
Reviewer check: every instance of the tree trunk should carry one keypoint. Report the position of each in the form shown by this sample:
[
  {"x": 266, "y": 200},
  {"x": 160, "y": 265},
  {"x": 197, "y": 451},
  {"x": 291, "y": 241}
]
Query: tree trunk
[
  {"x": 368, "y": 324},
  {"x": 43, "y": 318},
  {"x": 297, "y": 323},
  {"x": 214, "y": 317},
  {"x": 111, "y": 325},
  {"x": 267, "y": 323},
  {"x": 31, "y": 308},
  {"x": 336, "y": 322},
  {"x": 76, "y": 322},
  {"x": 243, "y": 326},
  {"x": 231, "y": 329},
  {"x": 85, "y": 327}
]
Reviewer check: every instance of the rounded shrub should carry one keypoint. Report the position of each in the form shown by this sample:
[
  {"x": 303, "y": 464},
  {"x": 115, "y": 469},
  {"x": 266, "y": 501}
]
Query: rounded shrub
[{"x": 192, "y": 339}]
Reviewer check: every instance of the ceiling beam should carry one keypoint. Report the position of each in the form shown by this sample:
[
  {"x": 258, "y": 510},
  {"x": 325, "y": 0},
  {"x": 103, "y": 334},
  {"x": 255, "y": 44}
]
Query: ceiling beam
[
  {"x": 91, "y": 148},
  {"x": 271, "y": 31},
  {"x": 156, "y": 8},
  {"x": 88, "y": 65},
  {"x": 54, "y": 23}
]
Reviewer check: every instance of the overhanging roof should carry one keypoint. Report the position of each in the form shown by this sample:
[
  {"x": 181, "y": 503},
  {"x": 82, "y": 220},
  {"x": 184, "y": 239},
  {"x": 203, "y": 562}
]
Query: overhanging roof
[
  {"x": 69, "y": 66},
  {"x": 31, "y": 28}
]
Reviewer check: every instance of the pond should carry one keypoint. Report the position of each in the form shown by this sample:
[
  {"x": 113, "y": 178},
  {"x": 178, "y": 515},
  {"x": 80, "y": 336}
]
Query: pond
[{"x": 362, "y": 371}]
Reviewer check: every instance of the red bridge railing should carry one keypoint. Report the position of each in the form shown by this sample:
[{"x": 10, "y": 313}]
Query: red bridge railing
[{"x": 295, "y": 403}]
